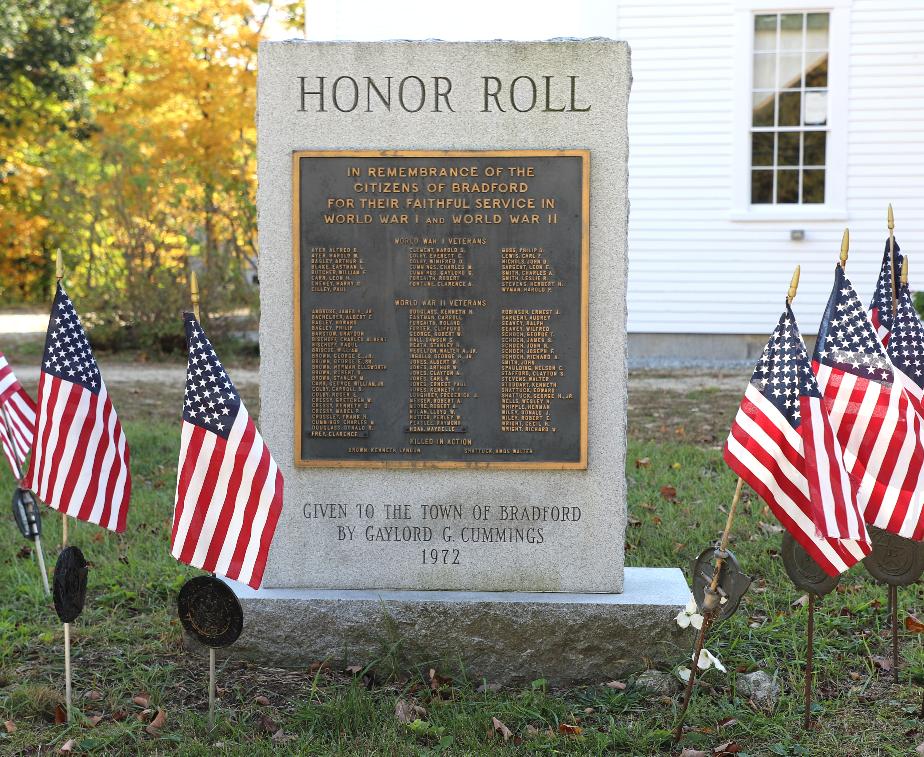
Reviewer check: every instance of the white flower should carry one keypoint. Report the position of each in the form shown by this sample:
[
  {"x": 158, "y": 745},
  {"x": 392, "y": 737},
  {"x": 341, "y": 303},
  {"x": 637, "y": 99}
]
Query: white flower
[
  {"x": 683, "y": 674},
  {"x": 689, "y": 616},
  {"x": 708, "y": 660}
]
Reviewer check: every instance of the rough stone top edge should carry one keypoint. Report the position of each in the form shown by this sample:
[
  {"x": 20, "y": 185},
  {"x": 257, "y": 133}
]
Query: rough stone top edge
[{"x": 434, "y": 42}]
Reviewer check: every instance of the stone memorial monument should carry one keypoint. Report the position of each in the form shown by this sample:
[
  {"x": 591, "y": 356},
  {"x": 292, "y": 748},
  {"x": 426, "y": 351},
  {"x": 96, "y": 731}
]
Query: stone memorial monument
[{"x": 442, "y": 232}]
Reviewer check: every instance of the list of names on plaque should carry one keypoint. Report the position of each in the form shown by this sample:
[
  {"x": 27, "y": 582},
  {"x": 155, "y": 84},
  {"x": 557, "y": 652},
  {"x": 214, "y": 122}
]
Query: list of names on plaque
[{"x": 442, "y": 308}]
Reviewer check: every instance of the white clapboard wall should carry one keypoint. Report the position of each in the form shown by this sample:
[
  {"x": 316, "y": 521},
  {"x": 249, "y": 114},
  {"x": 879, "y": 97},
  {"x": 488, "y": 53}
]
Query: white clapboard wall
[
  {"x": 698, "y": 264},
  {"x": 695, "y": 265}
]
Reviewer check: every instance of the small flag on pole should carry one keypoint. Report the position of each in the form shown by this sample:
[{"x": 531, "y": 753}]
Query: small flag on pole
[
  {"x": 17, "y": 410},
  {"x": 906, "y": 349},
  {"x": 229, "y": 490},
  {"x": 80, "y": 460},
  {"x": 880, "y": 309},
  {"x": 782, "y": 444},
  {"x": 872, "y": 415}
]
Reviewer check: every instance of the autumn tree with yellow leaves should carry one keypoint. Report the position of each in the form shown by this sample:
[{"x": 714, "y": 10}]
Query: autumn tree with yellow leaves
[{"x": 159, "y": 177}]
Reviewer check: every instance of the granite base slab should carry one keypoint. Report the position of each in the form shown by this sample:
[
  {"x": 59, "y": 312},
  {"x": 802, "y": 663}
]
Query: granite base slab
[{"x": 507, "y": 638}]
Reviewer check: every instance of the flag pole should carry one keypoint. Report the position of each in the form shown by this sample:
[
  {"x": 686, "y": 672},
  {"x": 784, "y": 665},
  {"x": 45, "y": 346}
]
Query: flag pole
[
  {"x": 67, "y": 669},
  {"x": 59, "y": 274},
  {"x": 891, "y": 224},
  {"x": 194, "y": 296},
  {"x": 711, "y": 598},
  {"x": 39, "y": 556}
]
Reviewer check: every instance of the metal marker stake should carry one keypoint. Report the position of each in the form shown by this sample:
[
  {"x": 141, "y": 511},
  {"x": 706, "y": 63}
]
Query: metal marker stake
[
  {"x": 67, "y": 669},
  {"x": 211, "y": 687},
  {"x": 809, "y": 650},
  {"x": 893, "y": 592},
  {"x": 712, "y": 599},
  {"x": 39, "y": 555}
]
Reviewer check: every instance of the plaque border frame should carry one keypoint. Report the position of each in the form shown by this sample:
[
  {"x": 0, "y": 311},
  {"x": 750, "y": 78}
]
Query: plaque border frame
[{"x": 581, "y": 463}]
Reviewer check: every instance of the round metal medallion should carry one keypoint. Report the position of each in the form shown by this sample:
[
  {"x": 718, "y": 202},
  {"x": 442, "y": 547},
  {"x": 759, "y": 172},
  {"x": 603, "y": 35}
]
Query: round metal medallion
[
  {"x": 26, "y": 514},
  {"x": 895, "y": 560},
  {"x": 803, "y": 571},
  {"x": 70, "y": 581},
  {"x": 733, "y": 582},
  {"x": 210, "y": 611}
]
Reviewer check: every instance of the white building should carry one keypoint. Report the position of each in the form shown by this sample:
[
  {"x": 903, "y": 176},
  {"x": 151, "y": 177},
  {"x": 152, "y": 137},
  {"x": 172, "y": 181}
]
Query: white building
[{"x": 759, "y": 130}]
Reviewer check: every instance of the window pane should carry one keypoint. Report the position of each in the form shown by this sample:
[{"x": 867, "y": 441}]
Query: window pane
[
  {"x": 762, "y": 148},
  {"x": 791, "y": 31},
  {"x": 790, "y": 108},
  {"x": 816, "y": 69},
  {"x": 787, "y": 185},
  {"x": 814, "y": 150},
  {"x": 816, "y": 108},
  {"x": 761, "y": 186},
  {"x": 763, "y": 109},
  {"x": 790, "y": 70},
  {"x": 787, "y": 148},
  {"x": 764, "y": 70},
  {"x": 765, "y": 32},
  {"x": 813, "y": 186},
  {"x": 816, "y": 36}
]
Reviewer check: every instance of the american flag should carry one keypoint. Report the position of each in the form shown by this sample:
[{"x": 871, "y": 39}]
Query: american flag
[
  {"x": 906, "y": 349},
  {"x": 880, "y": 309},
  {"x": 228, "y": 489},
  {"x": 80, "y": 459},
  {"x": 17, "y": 410},
  {"x": 782, "y": 444},
  {"x": 872, "y": 415}
]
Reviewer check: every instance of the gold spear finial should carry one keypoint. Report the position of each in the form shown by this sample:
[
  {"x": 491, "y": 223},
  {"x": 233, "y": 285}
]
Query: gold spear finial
[
  {"x": 59, "y": 266},
  {"x": 905, "y": 271},
  {"x": 891, "y": 218},
  {"x": 194, "y": 293},
  {"x": 845, "y": 246},
  {"x": 793, "y": 286}
]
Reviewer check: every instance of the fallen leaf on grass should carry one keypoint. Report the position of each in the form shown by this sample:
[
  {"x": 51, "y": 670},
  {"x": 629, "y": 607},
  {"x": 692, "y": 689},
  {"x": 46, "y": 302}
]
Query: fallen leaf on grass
[
  {"x": 618, "y": 685},
  {"x": 570, "y": 730},
  {"x": 316, "y": 667},
  {"x": 656, "y": 519},
  {"x": 643, "y": 462},
  {"x": 913, "y": 624},
  {"x": 10, "y": 726},
  {"x": 281, "y": 737},
  {"x": 882, "y": 662},
  {"x": 268, "y": 724},
  {"x": 486, "y": 687},
  {"x": 262, "y": 700},
  {"x": 353, "y": 669},
  {"x": 801, "y": 601},
  {"x": 634, "y": 521},
  {"x": 920, "y": 749},
  {"x": 93, "y": 696},
  {"x": 687, "y": 752},
  {"x": 500, "y": 728},
  {"x": 727, "y": 722},
  {"x": 676, "y": 466},
  {"x": 157, "y": 723},
  {"x": 60, "y": 715},
  {"x": 119, "y": 715},
  {"x": 142, "y": 700},
  {"x": 769, "y": 529},
  {"x": 67, "y": 747},
  {"x": 407, "y": 712},
  {"x": 854, "y": 675},
  {"x": 94, "y": 720},
  {"x": 668, "y": 492},
  {"x": 24, "y": 552},
  {"x": 729, "y": 747}
]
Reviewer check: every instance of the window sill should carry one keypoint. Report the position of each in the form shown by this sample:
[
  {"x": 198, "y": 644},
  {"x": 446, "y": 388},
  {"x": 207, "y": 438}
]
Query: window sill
[{"x": 788, "y": 214}]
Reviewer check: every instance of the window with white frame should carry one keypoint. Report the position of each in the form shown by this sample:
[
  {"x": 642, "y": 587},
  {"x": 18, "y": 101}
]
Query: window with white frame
[{"x": 789, "y": 108}]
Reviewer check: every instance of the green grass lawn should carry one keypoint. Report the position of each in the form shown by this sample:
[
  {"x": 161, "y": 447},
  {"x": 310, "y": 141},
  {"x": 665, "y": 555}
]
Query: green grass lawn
[{"x": 128, "y": 643}]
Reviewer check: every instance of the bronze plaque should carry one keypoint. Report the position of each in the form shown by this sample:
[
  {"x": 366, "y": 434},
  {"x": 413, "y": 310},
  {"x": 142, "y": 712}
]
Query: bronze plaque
[{"x": 441, "y": 308}]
